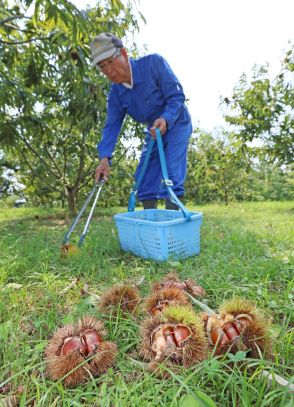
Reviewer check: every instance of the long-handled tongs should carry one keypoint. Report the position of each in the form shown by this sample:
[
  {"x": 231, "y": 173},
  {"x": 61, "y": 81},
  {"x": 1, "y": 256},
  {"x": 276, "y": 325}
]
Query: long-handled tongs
[{"x": 66, "y": 246}]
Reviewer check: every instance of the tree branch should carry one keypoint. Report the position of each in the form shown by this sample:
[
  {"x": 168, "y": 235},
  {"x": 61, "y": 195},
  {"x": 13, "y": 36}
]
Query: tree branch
[
  {"x": 37, "y": 155},
  {"x": 53, "y": 162},
  {"x": 122, "y": 155},
  {"x": 53, "y": 188},
  {"x": 15, "y": 27},
  {"x": 82, "y": 162},
  {"x": 5, "y": 20},
  {"x": 87, "y": 175},
  {"x": 25, "y": 42}
]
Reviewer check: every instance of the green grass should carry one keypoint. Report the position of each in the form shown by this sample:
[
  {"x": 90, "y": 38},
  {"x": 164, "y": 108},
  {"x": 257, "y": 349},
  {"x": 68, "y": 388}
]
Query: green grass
[{"x": 246, "y": 250}]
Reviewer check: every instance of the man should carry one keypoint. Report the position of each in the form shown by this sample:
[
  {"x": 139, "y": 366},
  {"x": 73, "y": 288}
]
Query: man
[{"x": 147, "y": 90}]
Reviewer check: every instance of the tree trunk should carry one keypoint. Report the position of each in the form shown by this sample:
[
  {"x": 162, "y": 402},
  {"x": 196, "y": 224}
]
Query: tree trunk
[
  {"x": 71, "y": 200},
  {"x": 226, "y": 197}
]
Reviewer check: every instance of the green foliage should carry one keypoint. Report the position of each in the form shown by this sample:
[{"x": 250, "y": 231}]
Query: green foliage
[
  {"x": 198, "y": 399},
  {"x": 270, "y": 181},
  {"x": 217, "y": 168},
  {"x": 52, "y": 110},
  {"x": 261, "y": 109},
  {"x": 124, "y": 164},
  {"x": 222, "y": 168},
  {"x": 52, "y": 102},
  {"x": 8, "y": 184}
]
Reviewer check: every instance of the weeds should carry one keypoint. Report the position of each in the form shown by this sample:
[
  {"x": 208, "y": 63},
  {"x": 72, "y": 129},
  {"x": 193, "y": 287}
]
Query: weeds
[{"x": 246, "y": 250}]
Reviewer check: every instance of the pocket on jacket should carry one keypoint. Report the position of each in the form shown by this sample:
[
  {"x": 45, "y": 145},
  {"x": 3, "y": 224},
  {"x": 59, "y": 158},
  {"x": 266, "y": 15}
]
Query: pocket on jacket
[{"x": 153, "y": 96}]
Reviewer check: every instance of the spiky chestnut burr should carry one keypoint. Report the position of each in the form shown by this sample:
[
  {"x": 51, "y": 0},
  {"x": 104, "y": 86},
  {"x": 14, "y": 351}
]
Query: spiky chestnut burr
[
  {"x": 252, "y": 324},
  {"x": 78, "y": 351},
  {"x": 157, "y": 301},
  {"x": 172, "y": 280},
  {"x": 120, "y": 297},
  {"x": 238, "y": 325},
  {"x": 175, "y": 336},
  {"x": 69, "y": 249}
]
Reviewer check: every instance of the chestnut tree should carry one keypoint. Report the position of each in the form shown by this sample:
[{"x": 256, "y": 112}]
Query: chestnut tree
[
  {"x": 263, "y": 109},
  {"x": 52, "y": 101}
]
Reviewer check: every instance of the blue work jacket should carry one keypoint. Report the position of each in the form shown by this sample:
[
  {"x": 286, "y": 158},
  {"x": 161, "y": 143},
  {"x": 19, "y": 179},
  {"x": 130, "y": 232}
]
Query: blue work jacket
[{"x": 156, "y": 92}]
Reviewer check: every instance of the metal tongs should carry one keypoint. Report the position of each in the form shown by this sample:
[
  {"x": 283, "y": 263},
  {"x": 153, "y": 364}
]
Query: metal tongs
[{"x": 68, "y": 247}]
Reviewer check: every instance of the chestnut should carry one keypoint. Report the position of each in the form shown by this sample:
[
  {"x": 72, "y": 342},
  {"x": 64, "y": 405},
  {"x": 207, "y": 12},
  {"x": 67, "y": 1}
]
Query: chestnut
[
  {"x": 71, "y": 344},
  {"x": 69, "y": 249},
  {"x": 172, "y": 280},
  {"x": 157, "y": 301},
  {"x": 175, "y": 337},
  {"x": 78, "y": 352},
  {"x": 238, "y": 325},
  {"x": 120, "y": 297}
]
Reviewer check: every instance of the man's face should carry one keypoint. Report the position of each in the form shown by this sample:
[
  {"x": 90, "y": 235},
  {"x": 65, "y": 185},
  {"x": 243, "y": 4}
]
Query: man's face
[{"x": 116, "y": 67}]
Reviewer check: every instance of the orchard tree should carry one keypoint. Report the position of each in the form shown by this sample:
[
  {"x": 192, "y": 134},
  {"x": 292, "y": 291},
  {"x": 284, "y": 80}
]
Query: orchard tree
[
  {"x": 261, "y": 109},
  {"x": 217, "y": 168},
  {"x": 52, "y": 101},
  {"x": 269, "y": 180}
]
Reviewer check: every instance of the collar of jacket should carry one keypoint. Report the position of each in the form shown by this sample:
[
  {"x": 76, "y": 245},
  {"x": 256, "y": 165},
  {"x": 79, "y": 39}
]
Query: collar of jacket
[{"x": 137, "y": 78}]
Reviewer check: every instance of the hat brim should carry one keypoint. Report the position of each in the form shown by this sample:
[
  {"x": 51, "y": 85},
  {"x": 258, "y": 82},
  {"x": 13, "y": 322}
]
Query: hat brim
[{"x": 101, "y": 57}]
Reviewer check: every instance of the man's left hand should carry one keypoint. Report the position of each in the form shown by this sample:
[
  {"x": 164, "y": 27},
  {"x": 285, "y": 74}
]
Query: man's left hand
[{"x": 159, "y": 124}]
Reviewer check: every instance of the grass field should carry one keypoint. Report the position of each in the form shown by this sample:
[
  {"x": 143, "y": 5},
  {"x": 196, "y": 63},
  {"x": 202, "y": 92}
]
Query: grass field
[{"x": 246, "y": 250}]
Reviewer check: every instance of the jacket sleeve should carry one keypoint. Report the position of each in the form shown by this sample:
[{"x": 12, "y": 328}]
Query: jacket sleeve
[
  {"x": 114, "y": 120},
  {"x": 171, "y": 89}
]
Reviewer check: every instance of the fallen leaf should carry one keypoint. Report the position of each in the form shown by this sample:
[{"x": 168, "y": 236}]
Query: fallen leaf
[
  {"x": 140, "y": 281},
  {"x": 9, "y": 401},
  {"x": 273, "y": 377},
  {"x": 72, "y": 284},
  {"x": 15, "y": 286},
  {"x": 136, "y": 362}
]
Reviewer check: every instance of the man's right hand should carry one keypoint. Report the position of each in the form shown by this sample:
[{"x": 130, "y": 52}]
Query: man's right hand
[{"x": 103, "y": 170}]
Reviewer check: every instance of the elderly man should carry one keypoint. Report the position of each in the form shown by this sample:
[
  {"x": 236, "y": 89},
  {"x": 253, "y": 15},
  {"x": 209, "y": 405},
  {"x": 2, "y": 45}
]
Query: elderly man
[{"x": 147, "y": 90}]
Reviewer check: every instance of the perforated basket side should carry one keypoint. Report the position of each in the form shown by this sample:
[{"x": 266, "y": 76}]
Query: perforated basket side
[
  {"x": 159, "y": 238},
  {"x": 183, "y": 240},
  {"x": 144, "y": 242}
]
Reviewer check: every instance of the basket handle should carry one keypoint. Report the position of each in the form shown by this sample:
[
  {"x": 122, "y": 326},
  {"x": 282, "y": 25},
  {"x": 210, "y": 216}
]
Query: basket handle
[
  {"x": 133, "y": 193},
  {"x": 168, "y": 183}
]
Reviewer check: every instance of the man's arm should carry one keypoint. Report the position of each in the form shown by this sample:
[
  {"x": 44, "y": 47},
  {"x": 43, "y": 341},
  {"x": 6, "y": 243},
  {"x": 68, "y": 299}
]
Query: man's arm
[
  {"x": 172, "y": 91},
  {"x": 110, "y": 133}
]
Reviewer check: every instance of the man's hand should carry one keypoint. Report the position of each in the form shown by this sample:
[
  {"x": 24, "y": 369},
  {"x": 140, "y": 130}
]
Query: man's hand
[
  {"x": 103, "y": 170},
  {"x": 159, "y": 124}
]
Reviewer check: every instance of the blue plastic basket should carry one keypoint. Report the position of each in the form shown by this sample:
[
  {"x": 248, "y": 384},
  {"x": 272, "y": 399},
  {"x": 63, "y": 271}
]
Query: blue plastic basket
[{"x": 159, "y": 234}]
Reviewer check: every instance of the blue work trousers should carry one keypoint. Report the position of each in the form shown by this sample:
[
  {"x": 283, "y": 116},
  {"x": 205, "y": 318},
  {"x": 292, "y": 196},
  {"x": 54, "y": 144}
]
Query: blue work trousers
[{"x": 175, "y": 145}]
